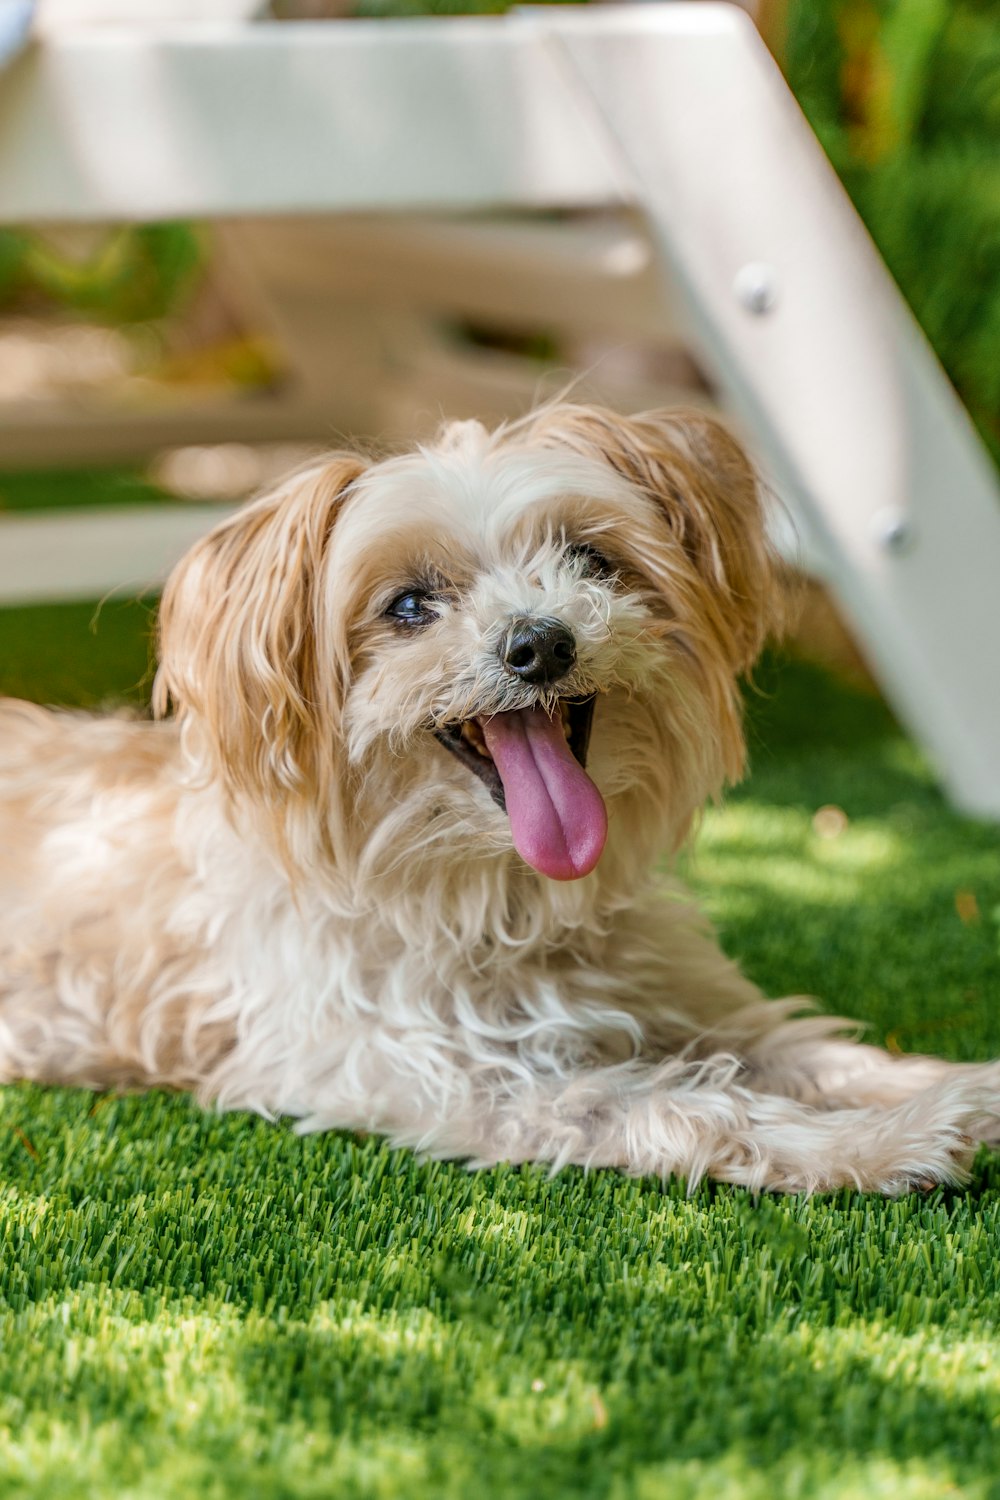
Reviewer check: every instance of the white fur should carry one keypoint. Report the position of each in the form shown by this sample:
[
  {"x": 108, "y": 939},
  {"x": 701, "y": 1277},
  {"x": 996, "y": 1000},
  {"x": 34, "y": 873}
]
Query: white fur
[{"x": 292, "y": 899}]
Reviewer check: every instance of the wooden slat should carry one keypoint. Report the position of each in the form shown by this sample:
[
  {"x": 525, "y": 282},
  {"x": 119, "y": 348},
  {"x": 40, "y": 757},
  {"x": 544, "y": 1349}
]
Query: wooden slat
[
  {"x": 206, "y": 121},
  {"x": 87, "y": 554}
]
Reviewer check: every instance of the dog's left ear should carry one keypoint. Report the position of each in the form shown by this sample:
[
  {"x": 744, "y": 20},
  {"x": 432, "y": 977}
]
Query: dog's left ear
[
  {"x": 239, "y": 628},
  {"x": 708, "y": 495}
]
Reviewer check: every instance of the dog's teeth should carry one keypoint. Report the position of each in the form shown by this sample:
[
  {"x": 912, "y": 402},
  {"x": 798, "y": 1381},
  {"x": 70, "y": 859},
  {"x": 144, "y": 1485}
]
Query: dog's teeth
[
  {"x": 472, "y": 732},
  {"x": 473, "y": 735}
]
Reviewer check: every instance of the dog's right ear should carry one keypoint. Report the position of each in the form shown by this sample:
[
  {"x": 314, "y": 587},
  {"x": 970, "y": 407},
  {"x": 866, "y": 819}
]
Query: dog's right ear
[
  {"x": 239, "y": 625},
  {"x": 712, "y": 555}
]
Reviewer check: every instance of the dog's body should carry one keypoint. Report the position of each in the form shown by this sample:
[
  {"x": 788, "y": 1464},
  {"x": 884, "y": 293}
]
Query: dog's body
[{"x": 362, "y": 877}]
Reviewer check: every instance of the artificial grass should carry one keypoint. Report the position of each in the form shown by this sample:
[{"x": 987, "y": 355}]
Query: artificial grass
[
  {"x": 192, "y": 1305},
  {"x": 200, "y": 1305},
  {"x": 85, "y": 655}
]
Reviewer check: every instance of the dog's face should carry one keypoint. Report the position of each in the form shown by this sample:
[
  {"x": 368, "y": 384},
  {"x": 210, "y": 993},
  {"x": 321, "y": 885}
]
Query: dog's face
[{"x": 502, "y": 642}]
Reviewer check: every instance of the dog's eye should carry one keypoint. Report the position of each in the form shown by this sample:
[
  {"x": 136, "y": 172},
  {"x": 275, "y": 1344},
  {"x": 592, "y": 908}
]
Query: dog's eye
[
  {"x": 411, "y": 609},
  {"x": 596, "y": 565}
]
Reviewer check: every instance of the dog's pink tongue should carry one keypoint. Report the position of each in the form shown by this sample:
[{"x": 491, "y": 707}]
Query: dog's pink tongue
[{"x": 557, "y": 816}]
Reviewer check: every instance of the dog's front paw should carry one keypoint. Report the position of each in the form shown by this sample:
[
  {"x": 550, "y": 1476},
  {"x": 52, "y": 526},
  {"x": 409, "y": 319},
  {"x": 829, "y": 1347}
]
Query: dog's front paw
[{"x": 944, "y": 1161}]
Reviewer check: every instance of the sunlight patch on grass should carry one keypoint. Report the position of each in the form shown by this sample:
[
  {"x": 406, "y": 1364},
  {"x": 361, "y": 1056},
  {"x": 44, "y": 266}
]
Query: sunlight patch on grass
[{"x": 799, "y": 1473}]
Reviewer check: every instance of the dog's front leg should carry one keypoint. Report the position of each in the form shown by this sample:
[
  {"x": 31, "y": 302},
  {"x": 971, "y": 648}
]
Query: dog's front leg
[
  {"x": 834, "y": 1072},
  {"x": 693, "y": 1120}
]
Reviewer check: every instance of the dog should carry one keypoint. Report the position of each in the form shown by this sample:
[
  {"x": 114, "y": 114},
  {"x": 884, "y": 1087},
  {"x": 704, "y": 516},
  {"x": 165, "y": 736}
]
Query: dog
[{"x": 385, "y": 858}]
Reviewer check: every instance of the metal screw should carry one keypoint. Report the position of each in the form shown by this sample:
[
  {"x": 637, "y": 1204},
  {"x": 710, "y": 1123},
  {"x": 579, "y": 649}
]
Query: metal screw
[
  {"x": 893, "y": 530},
  {"x": 756, "y": 287}
]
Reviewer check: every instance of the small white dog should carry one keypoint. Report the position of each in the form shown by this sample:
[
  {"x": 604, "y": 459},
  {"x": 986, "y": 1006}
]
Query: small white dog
[{"x": 389, "y": 866}]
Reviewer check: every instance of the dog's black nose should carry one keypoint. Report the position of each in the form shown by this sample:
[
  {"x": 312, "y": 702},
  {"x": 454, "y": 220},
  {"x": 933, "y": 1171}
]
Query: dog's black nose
[{"x": 538, "y": 650}]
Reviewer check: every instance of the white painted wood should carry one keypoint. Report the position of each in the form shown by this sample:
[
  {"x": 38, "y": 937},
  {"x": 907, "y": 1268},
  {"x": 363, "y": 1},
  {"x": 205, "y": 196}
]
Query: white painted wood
[
  {"x": 427, "y": 382},
  {"x": 87, "y": 554},
  {"x": 60, "y": 16},
  {"x": 597, "y": 274},
  {"x": 205, "y": 121}
]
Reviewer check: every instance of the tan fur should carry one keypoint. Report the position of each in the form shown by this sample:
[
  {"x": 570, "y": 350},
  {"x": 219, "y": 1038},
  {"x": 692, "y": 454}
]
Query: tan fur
[{"x": 290, "y": 897}]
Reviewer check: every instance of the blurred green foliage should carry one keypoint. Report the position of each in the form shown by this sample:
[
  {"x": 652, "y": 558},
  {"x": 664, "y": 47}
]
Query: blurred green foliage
[
  {"x": 132, "y": 275},
  {"x": 905, "y": 97}
]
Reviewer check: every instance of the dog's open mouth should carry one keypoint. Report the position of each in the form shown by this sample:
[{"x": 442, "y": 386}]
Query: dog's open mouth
[
  {"x": 533, "y": 764},
  {"x": 468, "y": 742}
]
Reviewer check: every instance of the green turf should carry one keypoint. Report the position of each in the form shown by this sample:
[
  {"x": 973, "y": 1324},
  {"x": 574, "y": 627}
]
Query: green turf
[{"x": 214, "y": 1307}]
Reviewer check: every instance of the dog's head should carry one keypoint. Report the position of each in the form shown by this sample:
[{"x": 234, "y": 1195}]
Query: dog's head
[{"x": 487, "y": 645}]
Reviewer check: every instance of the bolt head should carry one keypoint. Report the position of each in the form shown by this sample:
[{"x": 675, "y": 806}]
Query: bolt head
[
  {"x": 893, "y": 531},
  {"x": 756, "y": 287}
]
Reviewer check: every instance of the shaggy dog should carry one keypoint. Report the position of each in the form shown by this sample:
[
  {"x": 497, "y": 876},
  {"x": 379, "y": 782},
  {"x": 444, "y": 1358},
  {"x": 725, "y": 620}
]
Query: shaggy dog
[{"x": 389, "y": 865}]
